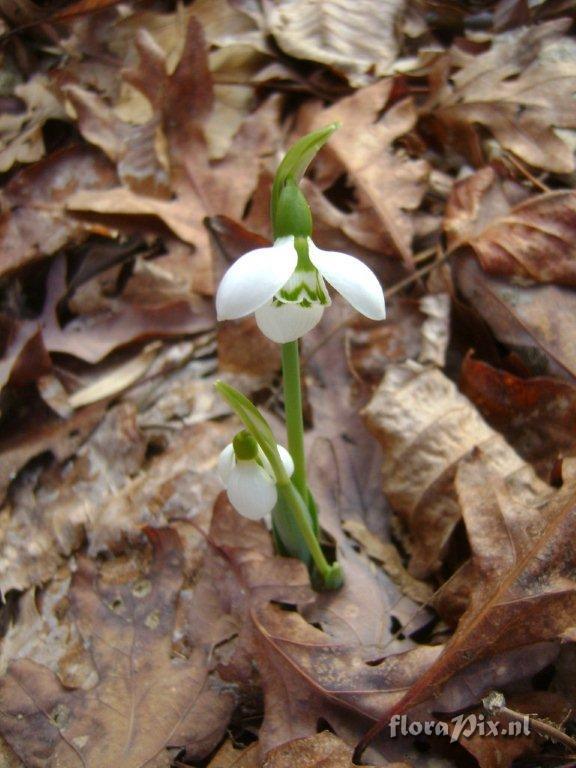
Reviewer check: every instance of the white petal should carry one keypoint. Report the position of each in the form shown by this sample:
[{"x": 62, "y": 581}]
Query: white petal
[
  {"x": 287, "y": 460},
  {"x": 254, "y": 279},
  {"x": 226, "y": 463},
  {"x": 251, "y": 491},
  {"x": 353, "y": 279},
  {"x": 287, "y": 322}
]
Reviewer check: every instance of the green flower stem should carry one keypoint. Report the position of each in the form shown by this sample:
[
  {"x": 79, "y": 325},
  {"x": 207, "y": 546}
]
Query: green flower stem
[
  {"x": 294, "y": 420},
  {"x": 331, "y": 574}
]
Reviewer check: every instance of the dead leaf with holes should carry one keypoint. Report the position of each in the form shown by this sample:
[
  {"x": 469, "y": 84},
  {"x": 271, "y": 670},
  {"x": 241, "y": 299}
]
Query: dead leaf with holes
[{"x": 144, "y": 700}]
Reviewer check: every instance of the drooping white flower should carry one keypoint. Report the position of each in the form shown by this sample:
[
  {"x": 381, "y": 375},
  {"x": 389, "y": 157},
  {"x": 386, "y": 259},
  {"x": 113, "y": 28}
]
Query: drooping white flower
[
  {"x": 284, "y": 285},
  {"x": 250, "y": 482}
]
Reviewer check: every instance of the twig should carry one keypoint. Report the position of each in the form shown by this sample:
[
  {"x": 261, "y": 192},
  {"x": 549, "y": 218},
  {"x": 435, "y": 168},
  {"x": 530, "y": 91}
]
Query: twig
[
  {"x": 525, "y": 172},
  {"x": 495, "y": 704}
]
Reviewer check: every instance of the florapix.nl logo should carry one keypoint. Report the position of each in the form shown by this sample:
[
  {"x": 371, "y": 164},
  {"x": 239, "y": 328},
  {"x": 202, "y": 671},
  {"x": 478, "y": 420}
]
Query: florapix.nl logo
[{"x": 461, "y": 726}]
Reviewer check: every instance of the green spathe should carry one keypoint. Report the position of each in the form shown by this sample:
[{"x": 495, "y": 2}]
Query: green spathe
[{"x": 289, "y": 173}]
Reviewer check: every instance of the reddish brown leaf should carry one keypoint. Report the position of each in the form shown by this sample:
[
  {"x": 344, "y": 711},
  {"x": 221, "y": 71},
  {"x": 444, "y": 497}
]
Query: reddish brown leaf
[
  {"x": 537, "y": 322},
  {"x": 544, "y": 411}
]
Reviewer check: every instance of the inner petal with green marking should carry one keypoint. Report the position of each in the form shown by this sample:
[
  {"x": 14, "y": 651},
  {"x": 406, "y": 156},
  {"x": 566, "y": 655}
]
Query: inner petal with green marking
[{"x": 306, "y": 285}]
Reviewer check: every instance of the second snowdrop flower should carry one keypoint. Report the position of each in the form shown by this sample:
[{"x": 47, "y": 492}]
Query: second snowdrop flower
[{"x": 248, "y": 477}]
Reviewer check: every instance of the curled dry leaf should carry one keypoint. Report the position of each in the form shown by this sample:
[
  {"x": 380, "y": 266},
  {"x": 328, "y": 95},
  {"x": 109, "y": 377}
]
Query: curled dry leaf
[
  {"x": 534, "y": 239},
  {"x": 92, "y": 337},
  {"x": 359, "y": 39},
  {"x": 144, "y": 700},
  {"x": 426, "y": 428},
  {"x": 520, "y": 90},
  {"x": 538, "y": 322},
  {"x": 388, "y": 184}
]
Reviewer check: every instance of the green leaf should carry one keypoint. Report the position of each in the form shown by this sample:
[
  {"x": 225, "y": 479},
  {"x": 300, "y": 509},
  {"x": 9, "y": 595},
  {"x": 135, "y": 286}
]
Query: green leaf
[{"x": 257, "y": 425}]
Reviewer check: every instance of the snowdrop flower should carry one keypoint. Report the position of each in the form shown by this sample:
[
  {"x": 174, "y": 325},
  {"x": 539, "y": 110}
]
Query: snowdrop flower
[
  {"x": 248, "y": 477},
  {"x": 284, "y": 285}
]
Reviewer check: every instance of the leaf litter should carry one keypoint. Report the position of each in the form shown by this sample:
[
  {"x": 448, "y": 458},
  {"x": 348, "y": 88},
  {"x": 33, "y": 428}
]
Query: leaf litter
[{"x": 144, "y": 623}]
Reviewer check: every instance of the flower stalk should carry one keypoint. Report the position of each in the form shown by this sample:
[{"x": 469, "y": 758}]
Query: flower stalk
[{"x": 284, "y": 285}]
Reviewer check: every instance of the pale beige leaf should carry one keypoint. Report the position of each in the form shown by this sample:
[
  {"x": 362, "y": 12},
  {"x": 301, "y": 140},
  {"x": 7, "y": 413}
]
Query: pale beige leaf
[
  {"x": 359, "y": 38},
  {"x": 427, "y": 428}
]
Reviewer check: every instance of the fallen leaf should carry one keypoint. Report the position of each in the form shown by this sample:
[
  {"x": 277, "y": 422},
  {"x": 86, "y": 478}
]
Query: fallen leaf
[
  {"x": 305, "y": 672},
  {"x": 388, "y": 556},
  {"x": 426, "y": 428},
  {"x": 388, "y": 184},
  {"x": 533, "y": 240},
  {"x": 21, "y": 130},
  {"x": 523, "y": 592},
  {"x": 544, "y": 411},
  {"x": 144, "y": 700},
  {"x": 519, "y": 90},
  {"x": 539, "y": 322},
  {"x": 314, "y": 752},
  {"x": 57, "y": 437},
  {"x": 359, "y": 39},
  {"x": 34, "y": 222},
  {"x": 92, "y": 337},
  {"x": 113, "y": 383}
]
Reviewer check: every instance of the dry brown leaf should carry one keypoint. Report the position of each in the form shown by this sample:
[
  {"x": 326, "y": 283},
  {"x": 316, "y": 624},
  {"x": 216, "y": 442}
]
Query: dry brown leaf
[
  {"x": 388, "y": 556},
  {"x": 315, "y": 752},
  {"x": 523, "y": 591},
  {"x": 144, "y": 699},
  {"x": 388, "y": 184},
  {"x": 534, "y": 239},
  {"x": 91, "y": 337},
  {"x": 520, "y": 90},
  {"x": 21, "y": 132},
  {"x": 426, "y": 428},
  {"x": 544, "y": 409},
  {"x": 116, "y": 381},
  {"x": 58, "y": 437},
  {"x": 537, "y": 322},
  {"x": 359, "y": 39},
  {"x": 34, "y": 222},
  {"x": 306, "y": 673}
]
